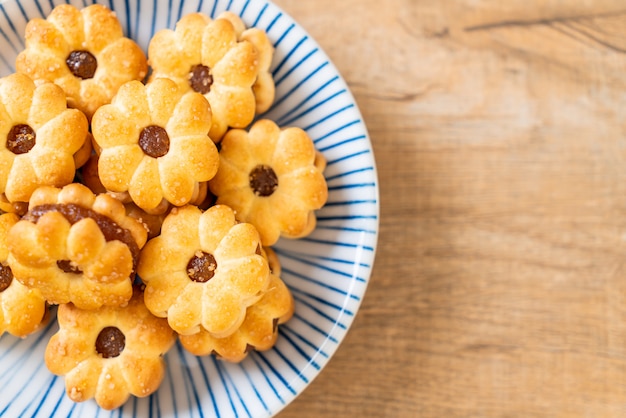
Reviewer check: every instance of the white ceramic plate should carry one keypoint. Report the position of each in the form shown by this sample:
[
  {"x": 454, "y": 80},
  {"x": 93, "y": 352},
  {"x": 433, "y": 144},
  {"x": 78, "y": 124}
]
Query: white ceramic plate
[{"x": 328, "y": 271}]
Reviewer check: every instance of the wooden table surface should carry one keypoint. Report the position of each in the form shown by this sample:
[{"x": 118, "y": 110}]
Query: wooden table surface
[{"x": 499, "y": 130}]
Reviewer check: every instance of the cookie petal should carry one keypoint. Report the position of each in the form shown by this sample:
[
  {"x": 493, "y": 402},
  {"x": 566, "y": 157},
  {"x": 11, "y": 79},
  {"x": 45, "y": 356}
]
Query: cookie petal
[
  {"x": 248, "y": 277},
  {"x": 16, "y": 92},
  {"x": 143, "y": 374},
  {"x": 125, "y": 55},
  {"x": 82, "y": 380},
  {"x": 145, "y": 188},
  {"x": 114, "y": 263},
  {"x": 261, "y": 215},
  {"x": 305, "y": 187},
  {"x": 163, "y": 96},
  {"x": 101, "y": 27},
  {"x": 161, "y": 293},
  {"x": 48, "y": 102},
  {"x": 221, "y": 316},
  {"x": 238, "y": 67},
  {"x": 68, "y": 21},
  {"x": 242, "y": 240},
  {"x": 217, "y": 39},
  {"x": 111, "y": 388},
  {"x": 184, "y": 315},
  {"x": 294, "y": 150},
  {"x": 23, "y": 309},
  {"x": 66, "y": 132},
  {"x": 213, "y": 225},
  {"x": 117, "y": 166},
  {"x": 6, "y": 162},
  {"x": 191, "y": 116}
]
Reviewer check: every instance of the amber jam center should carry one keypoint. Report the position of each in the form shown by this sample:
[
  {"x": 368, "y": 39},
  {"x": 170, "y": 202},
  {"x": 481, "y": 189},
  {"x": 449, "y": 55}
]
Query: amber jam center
[
  {"x": 82, "y": 64},
  {"x": 68, "y": 267},
  {"x": 21, "y": 139},
  {"x": 6, "y": 277},
  {"x": 154, "y": 141},
  {"x": 110, "y": 342},
  {"x": 200, "y": 78},
  {"x": 201, "y": 267},
  {"x": 263, "y": 180}
]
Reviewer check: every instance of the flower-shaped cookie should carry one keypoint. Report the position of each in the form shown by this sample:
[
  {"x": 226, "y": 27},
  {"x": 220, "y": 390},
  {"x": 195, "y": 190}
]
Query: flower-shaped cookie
[
  {"x": 22, "y": 310},
  {"x": 109, "y": 353},
  {"x": 271, "y": 178},
  {"x": 153, "y": 143},
  {"x": 257, "y": 332},
  {"x": 206, "y": 56},
  {"x": 203, "y": 271},
  {"x": 76, "y": 247},
  {"x": 39, "y": 137},
  {"x": 83, "y": 51}
]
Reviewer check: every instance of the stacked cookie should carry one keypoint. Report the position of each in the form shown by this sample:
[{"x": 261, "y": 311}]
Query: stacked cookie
[{"x": 139, "y": 195}]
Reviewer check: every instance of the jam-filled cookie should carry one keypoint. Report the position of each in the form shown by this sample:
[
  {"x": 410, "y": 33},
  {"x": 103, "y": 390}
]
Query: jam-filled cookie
[
  {"x": 76, "y": 247},
  {"x": 206, "y": 56},
  {"x": 258, "y": 331},
  {"x": 153, "y": 143},
  {"x": 39, "y": 138},
  {"x": 22, "y": 310},
  {"x": 84, "y": 51},
  {"x": 203, "y": 271},
  {"x": 271, "y": 177},
  {"x": 109, "y": 353}
]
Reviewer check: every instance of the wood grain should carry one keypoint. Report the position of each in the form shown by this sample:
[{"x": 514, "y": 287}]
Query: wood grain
[{"x": 499, "y": 130}]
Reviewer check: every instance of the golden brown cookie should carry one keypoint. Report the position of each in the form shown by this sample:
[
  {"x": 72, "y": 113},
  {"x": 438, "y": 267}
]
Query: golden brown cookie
[
  {"x": 270, "y": 177},
  {"x": 83, "y": 51},
  {"x": 203, "y": 271},
  {"x": 109, "y": 353},
  {"x": 258, "y": 331},
  {"x": 206, "y": 56},
  {"x": 39, "y": 137},
  {"x": 22, "y": 310},
  {"x": 153, "y": 143},
  {"x": 77, "y": 247}
]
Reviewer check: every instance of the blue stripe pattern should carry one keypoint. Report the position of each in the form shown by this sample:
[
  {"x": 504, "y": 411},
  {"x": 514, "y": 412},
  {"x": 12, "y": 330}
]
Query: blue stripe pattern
[{"x": 328, "y": 271}]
